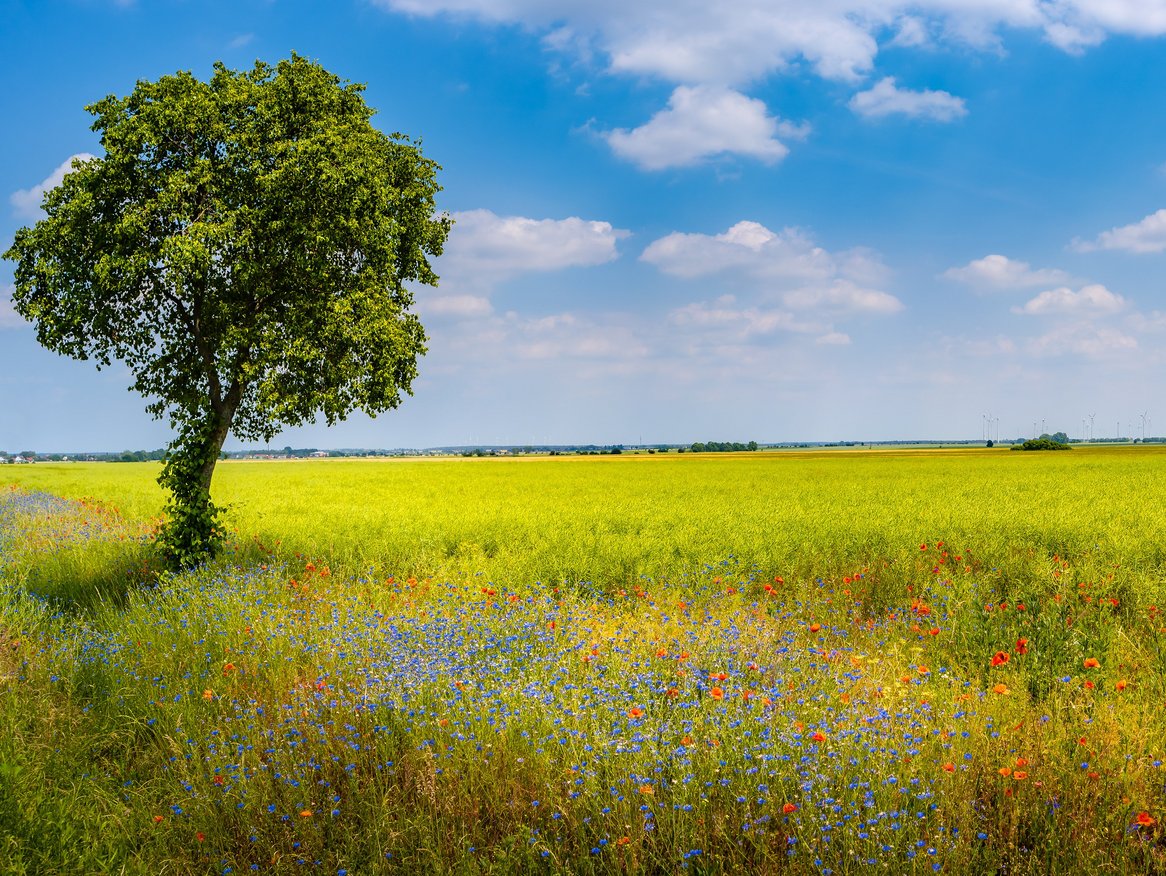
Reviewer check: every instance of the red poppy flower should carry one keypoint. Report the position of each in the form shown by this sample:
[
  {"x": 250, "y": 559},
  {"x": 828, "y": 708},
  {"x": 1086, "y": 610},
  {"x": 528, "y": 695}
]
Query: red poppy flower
[
  {"x": 788, "y": 808},
  {"x": 1091, "y": 663},
  {"x": 1000, "y": 658},
  {"x": 1145, "y": 819},
  {"x": 717, "y": 694},
  {"x": 1022, "y": 646}
]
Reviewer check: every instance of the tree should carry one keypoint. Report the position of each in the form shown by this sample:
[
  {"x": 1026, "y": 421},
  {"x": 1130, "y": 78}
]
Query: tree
[{"x": 243, "y": 246}]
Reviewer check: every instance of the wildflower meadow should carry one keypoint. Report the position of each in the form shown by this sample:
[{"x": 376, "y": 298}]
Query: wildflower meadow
[{"x": 821, "y": 663}]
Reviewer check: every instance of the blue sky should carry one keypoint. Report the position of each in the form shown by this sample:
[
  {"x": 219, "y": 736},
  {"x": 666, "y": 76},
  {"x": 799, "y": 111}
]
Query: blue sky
[{"x": 680, "y": 221}]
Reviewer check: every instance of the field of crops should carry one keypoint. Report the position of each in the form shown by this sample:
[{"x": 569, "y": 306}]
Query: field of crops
[{"x": 835, "y": 662}]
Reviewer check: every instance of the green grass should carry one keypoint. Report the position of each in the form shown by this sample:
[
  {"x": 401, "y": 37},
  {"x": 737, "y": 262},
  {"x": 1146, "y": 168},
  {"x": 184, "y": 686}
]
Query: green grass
[{"x": 585, "y": 665}]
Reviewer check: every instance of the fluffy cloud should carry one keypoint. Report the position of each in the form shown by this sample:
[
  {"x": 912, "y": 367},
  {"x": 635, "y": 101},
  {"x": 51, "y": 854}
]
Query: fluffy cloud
[
  {"x": 747, "y": 246},
  {"x": 787, "y": 265},
  {"x": 785, "y": 283},
  {"x": 485, "y": 250},
  {"x": 1146, "y": 236},
  {"x": 700, "y": 122},
  {"x": 739, "y": 41},
  {"x": 484, "y": 246},
  {"x": 887, "y": 99},
  {"x": 1001, "y": 272},
  {"x": 1093, "y": 299},
  {"x": 26, "y": 202}
]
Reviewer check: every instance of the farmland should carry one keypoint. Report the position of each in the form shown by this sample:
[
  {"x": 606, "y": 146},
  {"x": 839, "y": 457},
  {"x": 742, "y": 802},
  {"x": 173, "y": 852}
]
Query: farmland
[{"x": 815, "y": 662}]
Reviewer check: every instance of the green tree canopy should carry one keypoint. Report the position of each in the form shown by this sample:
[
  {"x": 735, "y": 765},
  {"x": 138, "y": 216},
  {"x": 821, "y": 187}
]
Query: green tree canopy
[{"x": 243, "y": 246}]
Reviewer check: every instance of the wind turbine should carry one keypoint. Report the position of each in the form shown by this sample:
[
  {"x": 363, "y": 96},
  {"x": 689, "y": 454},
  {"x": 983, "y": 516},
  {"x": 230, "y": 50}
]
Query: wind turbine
[{"x": 1091, "y": 416}]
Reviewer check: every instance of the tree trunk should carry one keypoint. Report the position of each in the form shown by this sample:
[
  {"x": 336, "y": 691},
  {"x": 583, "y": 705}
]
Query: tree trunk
[
  {"x": 192, "y": 534},
  {"x": 210, "y": 453}
]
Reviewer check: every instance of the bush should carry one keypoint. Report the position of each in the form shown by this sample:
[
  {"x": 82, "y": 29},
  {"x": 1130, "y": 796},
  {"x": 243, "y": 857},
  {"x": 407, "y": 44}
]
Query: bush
[{"x": 1041, "y": 444}]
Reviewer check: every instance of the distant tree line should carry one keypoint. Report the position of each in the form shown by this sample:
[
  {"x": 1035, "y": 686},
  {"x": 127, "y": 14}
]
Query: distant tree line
[{"x": 722, "y": 446}]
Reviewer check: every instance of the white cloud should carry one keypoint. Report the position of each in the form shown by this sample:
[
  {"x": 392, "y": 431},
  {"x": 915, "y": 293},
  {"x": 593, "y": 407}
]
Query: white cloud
[
  {"x": 1083, "y": 340},
  {"x": 786, "y": 265},
  {"x": 740, "y": 41},
  {"x": 485, "y": 248},
  {"x": 911, "y": 31},
  {"x": 1094, "y": 299},
  {"x": 701, "y": 122},
  {"x": 747, "y": 246},
  {"x": 696, "y": 45},
  {"x": 886, "y": 99},
  {"x": 1147, "y": 236},
  {"x": 784, "y": 283},
  {"x": 742, "y": 323},
  {"x": 9, "y": 318},
  {"x": 843, "y": 295},
  {"x": 1000, "y": 272},
  {"x": 456, "y": 306},
  {"x": 27, "y": 201}
]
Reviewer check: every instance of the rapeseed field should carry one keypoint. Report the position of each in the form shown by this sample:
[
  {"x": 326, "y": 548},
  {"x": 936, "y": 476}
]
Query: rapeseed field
[{"x": 834, "y": 662}]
